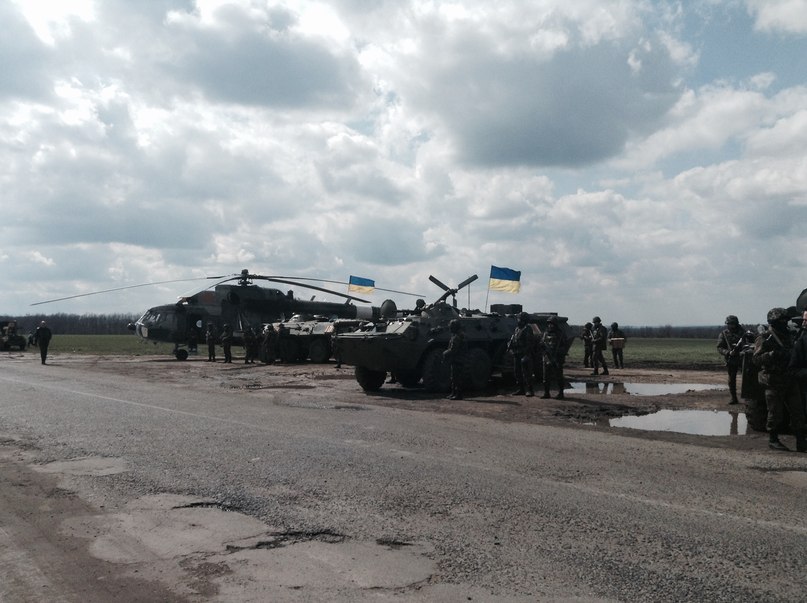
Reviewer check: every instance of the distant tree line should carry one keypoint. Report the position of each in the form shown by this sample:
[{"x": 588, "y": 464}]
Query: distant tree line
[{"x": 75, "y": 324}]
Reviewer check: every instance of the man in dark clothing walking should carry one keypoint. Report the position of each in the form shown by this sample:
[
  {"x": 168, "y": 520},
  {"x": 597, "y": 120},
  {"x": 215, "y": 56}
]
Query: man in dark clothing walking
[{"x": 42, "y": 337}]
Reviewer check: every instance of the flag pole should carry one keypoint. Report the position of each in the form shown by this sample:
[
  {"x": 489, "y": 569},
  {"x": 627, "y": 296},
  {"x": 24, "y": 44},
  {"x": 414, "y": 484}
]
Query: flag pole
[{"x": 486, "y": 298}]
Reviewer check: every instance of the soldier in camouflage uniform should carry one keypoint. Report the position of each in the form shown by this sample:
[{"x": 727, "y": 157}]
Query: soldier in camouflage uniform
[
  {"x": 599, "y": 337},
  {"x": 455, "y": 354},
  {"x": 772, "y": 353},
  {"x": 554, "y": 345},
  {"x": 522, "y": 346},
  {"x": 729, "y": 344},
  {"x": 614, "y": 336},
  {"x": 210, "y": 339},
  {"x": 588, "y": 346}
]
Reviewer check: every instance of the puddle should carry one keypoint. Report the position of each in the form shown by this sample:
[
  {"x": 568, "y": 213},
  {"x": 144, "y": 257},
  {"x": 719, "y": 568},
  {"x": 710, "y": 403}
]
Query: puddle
[
  {"x": 693, "y": 422},
  {"x": 640, "y": 389}
]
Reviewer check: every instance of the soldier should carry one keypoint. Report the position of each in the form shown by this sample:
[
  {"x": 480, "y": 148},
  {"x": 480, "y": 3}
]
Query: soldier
[
  {"x": 729, "y": 344},
  {"x": 585, "y": 335},
  {"x": 522, "y": 345},
  {"x": 772, "y": 353},
  {"x": 798, "y": 360},
  {"x": 42, "y": 337},
  {"x": 554, "y": 345},
  {"x": 269, "y": 344},
  {"x": 250, "y": 346},
  {"x": 599, "y": 337},
  {"x": 227, "y": 342},
  {"x": 455, "y": 354},
  {"x": 210, "y": 339},
  {"x": 616, "y": 339}
]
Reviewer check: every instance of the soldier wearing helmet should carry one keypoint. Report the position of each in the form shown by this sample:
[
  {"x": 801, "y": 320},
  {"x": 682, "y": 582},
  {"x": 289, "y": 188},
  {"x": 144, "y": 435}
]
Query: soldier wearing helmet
[
  {"x": 455, "y": 355},
  {"x": 599, "y": 337},
  {"x": 730, "y": 345},
  {"x": 227, "y": 342},
  {"x": 554, "y": 346},
  {"x": 585, "y": 335},
  {"x": 772, "y": 354},
  {"x": 616, "y": 339},
  {"x": 210, "y": 339},
  {"x": 522, "y": 346}
]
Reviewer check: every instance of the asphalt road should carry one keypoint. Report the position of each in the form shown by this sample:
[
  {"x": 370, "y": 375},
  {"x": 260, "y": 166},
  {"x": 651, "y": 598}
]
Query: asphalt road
[{"x": 119, "y": 487}]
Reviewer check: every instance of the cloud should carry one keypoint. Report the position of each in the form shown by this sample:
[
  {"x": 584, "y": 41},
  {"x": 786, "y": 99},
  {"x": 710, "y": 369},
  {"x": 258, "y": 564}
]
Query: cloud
[{"x": 783, "y": 16}]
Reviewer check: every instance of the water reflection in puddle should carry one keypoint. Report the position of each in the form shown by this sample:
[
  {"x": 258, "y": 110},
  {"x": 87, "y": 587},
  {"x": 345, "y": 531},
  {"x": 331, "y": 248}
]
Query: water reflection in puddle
[
  {"x": 639, "y": 389},
  {"x": 694, "y": 422}
]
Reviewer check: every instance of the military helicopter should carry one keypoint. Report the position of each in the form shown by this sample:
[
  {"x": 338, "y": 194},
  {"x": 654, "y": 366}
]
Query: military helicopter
[{"x": 243, "y": 304}]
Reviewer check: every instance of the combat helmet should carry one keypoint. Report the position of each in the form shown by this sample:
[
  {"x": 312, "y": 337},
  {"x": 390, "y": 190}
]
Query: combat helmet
[
  {"x": 777, "y": 315},
  {"x": 597, "y": 320},
  {"x": 732, "y": 320},
  {"x": 454, "y": 326},
  {"x": 523, "y": 317},
  {"x": 614, "y": 325}
]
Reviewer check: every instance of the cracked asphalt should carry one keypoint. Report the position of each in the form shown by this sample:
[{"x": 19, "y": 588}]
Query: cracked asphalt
[{"x": 139, "y": 479}]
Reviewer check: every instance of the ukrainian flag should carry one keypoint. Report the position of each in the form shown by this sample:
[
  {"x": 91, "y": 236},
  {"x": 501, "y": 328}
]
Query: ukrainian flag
[
  {"x": 504, "y": 279},
  {"x": 360, "y": 285}
]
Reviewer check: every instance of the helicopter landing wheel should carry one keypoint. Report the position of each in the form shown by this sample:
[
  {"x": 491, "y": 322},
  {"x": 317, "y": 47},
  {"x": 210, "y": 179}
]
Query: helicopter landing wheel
[{"x": 181, "y": 354}]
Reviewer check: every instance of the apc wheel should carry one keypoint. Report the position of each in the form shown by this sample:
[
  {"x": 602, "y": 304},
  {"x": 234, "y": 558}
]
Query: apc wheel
[
  {"x": 181, "y": 354},
  {"x": 370, "y": 381},
  {"x": 319, "y": 351},
  {"x": 408, "y": 379},
  {"x": 477, "y": 370},
  {"x": 436, "y": 372}
]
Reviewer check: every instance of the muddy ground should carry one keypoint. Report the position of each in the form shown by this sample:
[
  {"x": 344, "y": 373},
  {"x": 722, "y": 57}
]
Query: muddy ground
[{"x": 592, "y": 402}]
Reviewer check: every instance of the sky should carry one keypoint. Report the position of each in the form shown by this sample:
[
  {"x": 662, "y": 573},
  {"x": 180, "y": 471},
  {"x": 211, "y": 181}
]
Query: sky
[{"x": 641, "y": 161}]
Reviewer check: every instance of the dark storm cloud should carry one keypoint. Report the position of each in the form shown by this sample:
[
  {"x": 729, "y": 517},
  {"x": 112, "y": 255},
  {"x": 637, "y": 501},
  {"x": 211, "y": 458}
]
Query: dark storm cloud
[
  {"x": 576, "y": 107},
  {"x": 239, "y": 61}
]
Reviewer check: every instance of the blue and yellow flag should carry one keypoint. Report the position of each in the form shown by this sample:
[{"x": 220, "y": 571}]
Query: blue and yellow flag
[
  {"x": 360, "y": 285},
  {"x": 504, "y": 279}
]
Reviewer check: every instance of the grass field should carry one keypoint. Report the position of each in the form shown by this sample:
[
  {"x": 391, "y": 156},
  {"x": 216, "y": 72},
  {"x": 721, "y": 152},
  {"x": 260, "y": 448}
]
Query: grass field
[
  {"x": 667, "y": 351},
  {"x": 127, "y": 345}
]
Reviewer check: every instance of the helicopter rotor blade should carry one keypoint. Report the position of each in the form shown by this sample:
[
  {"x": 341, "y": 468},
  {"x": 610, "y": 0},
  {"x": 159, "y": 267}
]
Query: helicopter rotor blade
[
  {"x": 440, "y": 284},
  {"x": 467, "y": 281},
  {"x": 180, "y": 280},
  {"x": 295, "y": 283}
]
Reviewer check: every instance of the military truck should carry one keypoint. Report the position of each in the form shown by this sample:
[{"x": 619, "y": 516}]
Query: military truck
[
  {"x": 10, "y": 339},
  {"x": 411, "y": 346}
]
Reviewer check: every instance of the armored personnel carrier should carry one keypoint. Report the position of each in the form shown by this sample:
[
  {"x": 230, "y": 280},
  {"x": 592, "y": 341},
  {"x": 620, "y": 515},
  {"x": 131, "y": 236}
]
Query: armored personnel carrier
[
  {"x": 306, "y": 337},
  {"x": 411, "y": 345},
  {"x": 9, "y": 338}
]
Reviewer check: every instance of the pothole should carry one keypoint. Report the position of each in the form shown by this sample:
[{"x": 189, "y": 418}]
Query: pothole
[
  {"x": 693, "y": 422},
  {"x": 638, "y": 389}
]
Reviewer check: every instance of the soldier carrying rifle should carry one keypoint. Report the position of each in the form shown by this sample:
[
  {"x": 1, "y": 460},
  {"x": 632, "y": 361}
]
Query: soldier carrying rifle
[
  {"x": 554, "y": 346},
  {"x": 730, "y": 343}
]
